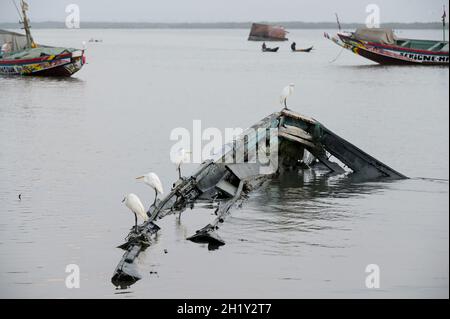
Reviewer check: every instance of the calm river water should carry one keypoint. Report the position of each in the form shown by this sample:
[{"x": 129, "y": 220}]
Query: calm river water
[{"x": 72, "y": 148}]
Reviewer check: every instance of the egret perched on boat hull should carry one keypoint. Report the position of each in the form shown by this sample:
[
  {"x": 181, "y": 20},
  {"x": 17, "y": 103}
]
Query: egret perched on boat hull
[
  {"x": 135, "y": 205},
  {"x": 152, "y": 180},
  {"x": 285, "y": 93}
]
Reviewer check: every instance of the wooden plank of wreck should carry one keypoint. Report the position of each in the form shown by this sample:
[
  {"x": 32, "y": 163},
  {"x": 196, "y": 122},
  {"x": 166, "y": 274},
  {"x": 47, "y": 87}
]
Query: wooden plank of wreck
[
  {"x": 294, "y": 130},
  {"x": 298, "y": 116},
  {"x": 293, "y": 138}
]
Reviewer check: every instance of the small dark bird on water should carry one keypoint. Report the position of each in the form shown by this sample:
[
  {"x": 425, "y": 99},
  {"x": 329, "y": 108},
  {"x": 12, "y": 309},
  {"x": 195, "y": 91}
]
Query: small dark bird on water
[{"x": 20, "y": 196}]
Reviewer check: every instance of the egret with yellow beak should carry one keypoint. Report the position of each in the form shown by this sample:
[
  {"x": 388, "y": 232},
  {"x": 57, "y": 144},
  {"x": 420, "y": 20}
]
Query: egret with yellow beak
[
  {"x": 135, "y": 205},
  {"x": 152, "y": 180},
  {"x": 181, "y": 157},
  {"x": 285, "y": 93}
]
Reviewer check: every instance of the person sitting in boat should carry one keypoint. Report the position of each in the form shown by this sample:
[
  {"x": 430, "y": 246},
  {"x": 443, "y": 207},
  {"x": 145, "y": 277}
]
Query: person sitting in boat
[
  {"x": 6, "y": 48},
  {"x": 264, "y": 46},
  {"x": 293, "y": 46}
]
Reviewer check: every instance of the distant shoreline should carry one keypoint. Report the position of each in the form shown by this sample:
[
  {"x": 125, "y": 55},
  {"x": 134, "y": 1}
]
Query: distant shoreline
[{"x": 219, "y": 25}]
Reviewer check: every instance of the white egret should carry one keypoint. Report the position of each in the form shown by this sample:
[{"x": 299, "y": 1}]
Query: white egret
[
  {"x": 285, "y": 93},
  {"x": 135, "y": 205},
  {"x": 152, "y": 180},
  {"x": 181, "y": 157}
]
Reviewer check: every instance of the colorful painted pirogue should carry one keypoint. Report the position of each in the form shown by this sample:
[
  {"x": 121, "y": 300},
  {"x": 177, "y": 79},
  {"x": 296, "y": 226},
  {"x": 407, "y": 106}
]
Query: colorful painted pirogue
[
  {"x": 20, "y": 55},
  {"x": 383, "y": 47}
]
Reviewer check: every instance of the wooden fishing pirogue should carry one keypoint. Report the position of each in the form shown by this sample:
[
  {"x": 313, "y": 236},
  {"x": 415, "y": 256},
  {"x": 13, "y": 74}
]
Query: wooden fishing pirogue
[
  {"x": 303, "y": 50},
  {"x": 382, "y": 46},
  {"x": 225, "y": 185},
  {"x": 20, "y": 55}
]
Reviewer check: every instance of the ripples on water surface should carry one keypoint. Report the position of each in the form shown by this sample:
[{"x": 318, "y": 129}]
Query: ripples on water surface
[{"x": 72, "y": 148}]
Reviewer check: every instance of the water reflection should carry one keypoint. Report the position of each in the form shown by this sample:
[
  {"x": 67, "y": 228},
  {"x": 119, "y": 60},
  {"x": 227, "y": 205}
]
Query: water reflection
[
  {"x": 310, "y": 185},
  {"x": 301, "y": 210},
  {"x": 24, "y": 80},
  {"x": 181, "y": 230}
]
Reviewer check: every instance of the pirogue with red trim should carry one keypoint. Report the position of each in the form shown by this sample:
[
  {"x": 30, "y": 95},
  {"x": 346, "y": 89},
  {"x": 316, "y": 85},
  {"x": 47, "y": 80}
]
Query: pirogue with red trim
[
  {"x": 20, "y": 55},
  {"x": 382, "y": 46}
]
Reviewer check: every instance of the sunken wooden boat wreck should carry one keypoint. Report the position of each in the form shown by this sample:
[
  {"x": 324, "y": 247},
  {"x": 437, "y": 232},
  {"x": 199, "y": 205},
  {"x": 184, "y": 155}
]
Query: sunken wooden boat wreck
[
  {"x": 383, "y": 47},
  {"x": 286, "y": 142},
  {"x": 267, "y": 32},
  {"x": 20, "y": 55}
]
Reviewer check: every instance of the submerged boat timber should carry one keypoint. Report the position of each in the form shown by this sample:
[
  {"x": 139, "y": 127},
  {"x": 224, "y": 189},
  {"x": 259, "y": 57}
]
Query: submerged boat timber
[
  {"x": 382, "y": 46},
  {"x": 266, "y": 32},
  {"x": 220, "y": 184},
  {"x": 20, "y": 55}
]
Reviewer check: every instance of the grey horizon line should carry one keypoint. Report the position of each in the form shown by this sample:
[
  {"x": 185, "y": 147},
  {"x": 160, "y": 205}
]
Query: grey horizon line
[{"x": 227, "y": 25}]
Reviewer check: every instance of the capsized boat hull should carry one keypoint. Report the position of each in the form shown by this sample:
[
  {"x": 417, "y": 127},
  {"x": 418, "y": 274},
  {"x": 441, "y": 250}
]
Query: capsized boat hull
[
  {"x": 391, "y": 54},
  {"x": 63, "y": 65}
]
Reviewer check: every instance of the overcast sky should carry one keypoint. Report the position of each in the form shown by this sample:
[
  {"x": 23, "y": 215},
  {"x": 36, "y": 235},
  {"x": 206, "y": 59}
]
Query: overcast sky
[{"x": 228, "y": 10}]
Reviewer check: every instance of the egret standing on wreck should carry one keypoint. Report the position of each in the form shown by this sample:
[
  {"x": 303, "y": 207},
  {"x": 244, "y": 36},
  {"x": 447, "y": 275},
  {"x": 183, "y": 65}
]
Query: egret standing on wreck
[
  {"x": 152, "y": 180},
  {"x": 135, "y": 205},
  {"x": 180, "y": 158},
  {"x": 287, "y": 91}
]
